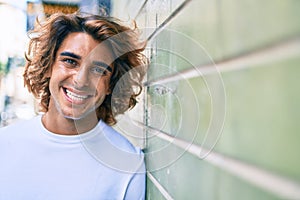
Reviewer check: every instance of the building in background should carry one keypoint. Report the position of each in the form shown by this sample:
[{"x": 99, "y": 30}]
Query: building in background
[
  {"x": 219, "y": 116},
  {"x": 12, "y": 46},
  {"x": 221, "y": 108},
  {"x": 17, "y": 17}
]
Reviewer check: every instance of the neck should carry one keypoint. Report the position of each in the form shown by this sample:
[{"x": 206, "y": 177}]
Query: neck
[{"x": 66, "y": 126}]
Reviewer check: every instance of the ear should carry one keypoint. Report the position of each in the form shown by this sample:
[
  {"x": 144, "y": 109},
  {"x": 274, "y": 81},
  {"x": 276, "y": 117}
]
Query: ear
[
  {"x": 108, "y": 91},
  {"x": 48, "y": 73}
]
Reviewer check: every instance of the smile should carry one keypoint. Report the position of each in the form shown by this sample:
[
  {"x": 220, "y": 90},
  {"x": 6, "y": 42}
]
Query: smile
[{"x": 75, "y": 97}]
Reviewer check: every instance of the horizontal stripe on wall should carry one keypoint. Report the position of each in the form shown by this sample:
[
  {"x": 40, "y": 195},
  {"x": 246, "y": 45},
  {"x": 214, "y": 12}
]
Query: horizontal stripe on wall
[
  {"x": 273, "y": 183},
  {"x": 277, "y": 52}
]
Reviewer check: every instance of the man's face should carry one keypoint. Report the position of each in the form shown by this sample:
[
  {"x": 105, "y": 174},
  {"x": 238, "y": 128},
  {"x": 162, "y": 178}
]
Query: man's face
[{"x": 80, "y": 76}]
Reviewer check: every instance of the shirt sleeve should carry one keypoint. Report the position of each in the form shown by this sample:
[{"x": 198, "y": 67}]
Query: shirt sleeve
[{"x": 137, "y": 186}]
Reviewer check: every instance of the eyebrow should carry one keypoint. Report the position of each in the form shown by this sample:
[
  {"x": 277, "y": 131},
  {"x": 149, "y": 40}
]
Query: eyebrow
[
  {"x": 99, "y": 63},
  {"x": 66, "y": 53},
  {"x": 102, "y": 64}
]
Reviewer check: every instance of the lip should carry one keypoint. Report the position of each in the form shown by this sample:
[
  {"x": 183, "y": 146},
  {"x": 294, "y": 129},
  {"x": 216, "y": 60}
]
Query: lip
[{"x": 75, "y": 97}]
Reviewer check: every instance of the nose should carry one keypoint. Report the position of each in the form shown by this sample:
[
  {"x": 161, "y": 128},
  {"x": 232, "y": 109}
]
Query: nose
[{"x": 81, "y": 78}]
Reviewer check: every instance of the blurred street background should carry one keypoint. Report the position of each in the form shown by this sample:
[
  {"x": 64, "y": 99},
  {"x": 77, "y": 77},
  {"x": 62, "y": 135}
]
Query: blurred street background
[
  {"x": 219, "y": 115},
  {"x": 17, "y": 17}
]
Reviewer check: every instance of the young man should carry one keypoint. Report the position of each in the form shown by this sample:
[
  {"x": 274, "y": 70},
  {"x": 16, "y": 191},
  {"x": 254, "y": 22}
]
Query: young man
[{"x": 75, "y": 66}]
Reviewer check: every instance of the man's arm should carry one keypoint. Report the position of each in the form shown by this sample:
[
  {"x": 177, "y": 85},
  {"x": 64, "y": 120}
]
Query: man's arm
[{"x": 137, "y": 185}]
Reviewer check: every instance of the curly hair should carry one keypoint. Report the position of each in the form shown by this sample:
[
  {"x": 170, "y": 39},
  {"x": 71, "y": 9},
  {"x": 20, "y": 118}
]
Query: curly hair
[{"x": 126, "y": 47}]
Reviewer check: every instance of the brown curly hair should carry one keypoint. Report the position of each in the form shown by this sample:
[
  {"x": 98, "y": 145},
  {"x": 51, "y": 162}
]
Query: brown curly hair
[{"x": 47, "y": 37}]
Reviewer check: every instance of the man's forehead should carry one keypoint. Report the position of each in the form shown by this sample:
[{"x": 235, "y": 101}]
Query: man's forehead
[
  {"x": 102, "y": 51},
  {"x": 85, "y": 46}
]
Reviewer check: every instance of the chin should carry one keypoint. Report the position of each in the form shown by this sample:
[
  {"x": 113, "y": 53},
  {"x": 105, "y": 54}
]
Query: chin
[{"x": 80, "y": 116}]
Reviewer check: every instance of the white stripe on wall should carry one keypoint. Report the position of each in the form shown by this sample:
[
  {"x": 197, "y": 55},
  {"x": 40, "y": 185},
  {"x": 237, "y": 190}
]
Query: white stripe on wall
[
  {"x": 275, "y": 184},
  {"x": 159, "y": 186},
  {"x": 268, "y": 55}
]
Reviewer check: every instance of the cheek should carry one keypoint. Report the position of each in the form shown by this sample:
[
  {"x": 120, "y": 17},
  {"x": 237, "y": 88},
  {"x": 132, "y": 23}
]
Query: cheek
[
  {"x": 102, "y": 94},
  {"x": 55, "y": 78},
  {"x": 103, "y": 86},
  {"x": 107, "y": 86}
]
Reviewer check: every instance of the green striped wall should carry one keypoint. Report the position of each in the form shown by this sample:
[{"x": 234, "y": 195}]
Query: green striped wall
[{"x": 219, "y": 116}]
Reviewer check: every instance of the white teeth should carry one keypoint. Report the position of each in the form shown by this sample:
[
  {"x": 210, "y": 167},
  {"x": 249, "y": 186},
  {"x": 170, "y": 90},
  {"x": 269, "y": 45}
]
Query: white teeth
[{"x": 74, "y": 96}]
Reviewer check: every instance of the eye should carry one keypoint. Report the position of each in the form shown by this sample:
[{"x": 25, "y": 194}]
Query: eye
[
  {"x": 70, "y": 61},
  {"x": 99, "y": 70}
]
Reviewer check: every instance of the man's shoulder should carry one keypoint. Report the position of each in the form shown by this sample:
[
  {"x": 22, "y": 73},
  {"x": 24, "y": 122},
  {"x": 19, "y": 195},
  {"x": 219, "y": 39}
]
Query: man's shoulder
[
  {"x": 113, "y": 150},
  {"x": 119, "y": 140},
  {"x": 18, "y": 126}
]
